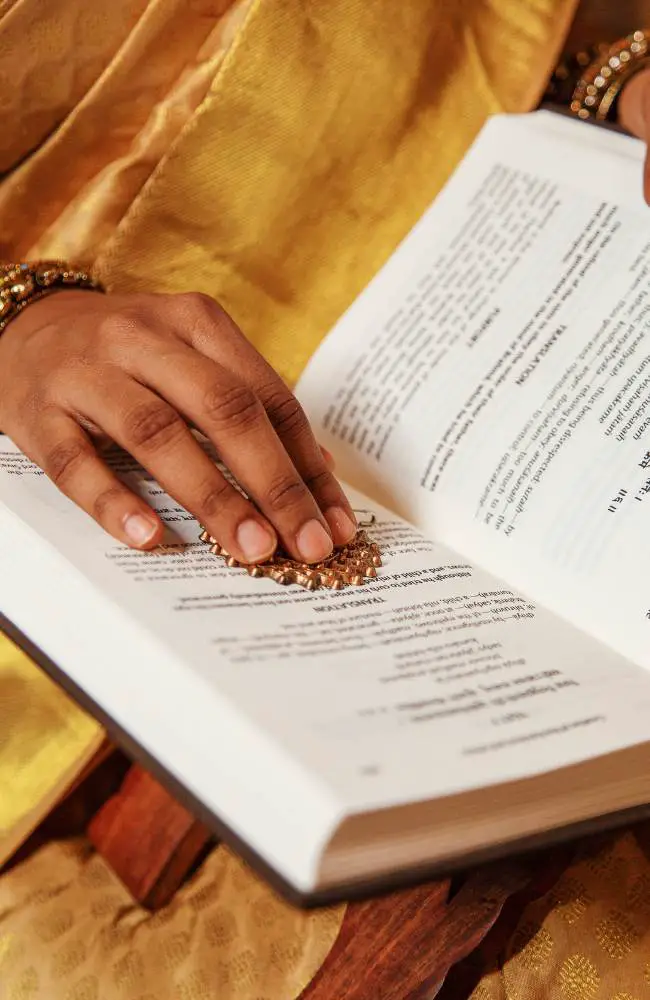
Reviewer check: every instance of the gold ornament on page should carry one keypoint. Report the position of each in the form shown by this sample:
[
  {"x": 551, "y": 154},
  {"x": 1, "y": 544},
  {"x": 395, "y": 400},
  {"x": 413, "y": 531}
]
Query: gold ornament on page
[{"x": 350, "y": 566}]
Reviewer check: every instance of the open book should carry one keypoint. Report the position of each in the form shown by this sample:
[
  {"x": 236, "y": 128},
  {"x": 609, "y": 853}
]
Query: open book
[{"x": 487, "y": 398}]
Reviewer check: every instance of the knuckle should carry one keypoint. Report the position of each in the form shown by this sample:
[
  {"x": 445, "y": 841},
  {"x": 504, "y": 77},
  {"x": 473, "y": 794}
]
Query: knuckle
[
  {"x": 64, "y": 458},
  {"x": 286, "y": 414},
  {"x": 104, "y": 500},
  {"x": 286, "y": 493},
  {"x": 234, "y": 408},
  {"x": 204, "y": 322},
  {"x": 123, "y": 328},
  {"x": 320, "y": 482},
  {"x": 152, "y": 425},
  {"x": 214, "y": 497},
  {"x": 194, "y": 303}
]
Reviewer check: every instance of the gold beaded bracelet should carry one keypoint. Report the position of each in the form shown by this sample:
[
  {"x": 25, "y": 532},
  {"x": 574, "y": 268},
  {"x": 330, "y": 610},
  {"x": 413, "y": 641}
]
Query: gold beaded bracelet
[
  {"x": 22, "y": 284},
  {"x": 600, "y": 83}
]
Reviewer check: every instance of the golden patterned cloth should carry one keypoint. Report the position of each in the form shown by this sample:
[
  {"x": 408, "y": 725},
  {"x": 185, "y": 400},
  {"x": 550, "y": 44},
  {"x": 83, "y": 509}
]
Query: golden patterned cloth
[
  {"x": 589, "y": 937},
  {"x": 69, "y": 931},
  {"x": 271, "y": 153}
]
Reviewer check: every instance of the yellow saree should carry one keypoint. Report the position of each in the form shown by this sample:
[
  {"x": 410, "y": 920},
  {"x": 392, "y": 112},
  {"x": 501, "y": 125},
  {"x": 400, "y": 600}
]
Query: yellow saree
[{"x": 271, "y": 153}]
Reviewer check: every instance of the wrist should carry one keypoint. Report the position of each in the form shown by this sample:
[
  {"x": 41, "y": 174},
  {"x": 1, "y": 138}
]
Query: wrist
[
  {"x": 634, "y": 104},
  {"x": 24, "y": 284},
  {"x": 605, "y": 73},
  {"x": 59, "y": 302}
]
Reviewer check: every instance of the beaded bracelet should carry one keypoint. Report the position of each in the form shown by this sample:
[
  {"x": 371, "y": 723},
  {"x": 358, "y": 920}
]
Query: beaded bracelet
[
  {"x": 602, "y": 80},
  {"x": 22, "y": 284}
]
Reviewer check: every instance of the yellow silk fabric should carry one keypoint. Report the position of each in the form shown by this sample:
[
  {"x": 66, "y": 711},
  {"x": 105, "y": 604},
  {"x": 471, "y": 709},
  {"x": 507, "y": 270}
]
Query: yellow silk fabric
[
  {"x": 589, "y": 937},
  {"x": 44, "y": 742},
  {"x": 99, "y": 95},
  {"x": 271, "y": 153}
]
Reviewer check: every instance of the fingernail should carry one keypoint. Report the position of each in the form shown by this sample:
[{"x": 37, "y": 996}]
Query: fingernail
[
  {"x": 139, "y": 530},
  {"x": 256, "y": 542},
  {"x": 341, "y": 524},
  {"x": 313, "y": 542}
]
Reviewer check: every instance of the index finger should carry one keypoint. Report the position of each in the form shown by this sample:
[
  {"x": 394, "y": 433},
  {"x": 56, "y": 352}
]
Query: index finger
[
  {"x": 234, "y": 419},
  {"x": 202, "y": 323}
]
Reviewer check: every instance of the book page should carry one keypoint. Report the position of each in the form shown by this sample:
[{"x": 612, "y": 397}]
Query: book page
[
  {"x": 493, "y": 384},
  {"x": 285, "y": 710}
]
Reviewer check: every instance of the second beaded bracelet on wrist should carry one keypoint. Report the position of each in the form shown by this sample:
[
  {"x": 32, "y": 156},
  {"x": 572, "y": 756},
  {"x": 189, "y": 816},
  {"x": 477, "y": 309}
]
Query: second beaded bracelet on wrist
[{"x": 22, "y": 284}]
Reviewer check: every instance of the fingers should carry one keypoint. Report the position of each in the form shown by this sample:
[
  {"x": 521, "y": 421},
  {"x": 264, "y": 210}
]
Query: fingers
[
  {"x": 148, "y": 385},
  {"x": 230, "y": 414},
  {"x": 201, "y": 322},
  {"x": 292, "y": 427},
  {"x": 153, "y": 432},
  {"x": 65, "y": 453}
]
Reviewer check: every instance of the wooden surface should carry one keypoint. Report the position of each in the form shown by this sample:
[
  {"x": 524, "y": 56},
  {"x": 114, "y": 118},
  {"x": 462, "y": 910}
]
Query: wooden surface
[
  {"x": 148, "y": 839},
  {"x": 402, "y": 946}
]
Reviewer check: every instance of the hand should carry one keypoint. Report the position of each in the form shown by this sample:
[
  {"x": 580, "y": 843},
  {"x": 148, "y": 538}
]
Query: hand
[
  {"x": 140, "y": 369},
  {"x": 634, "y": 116}
]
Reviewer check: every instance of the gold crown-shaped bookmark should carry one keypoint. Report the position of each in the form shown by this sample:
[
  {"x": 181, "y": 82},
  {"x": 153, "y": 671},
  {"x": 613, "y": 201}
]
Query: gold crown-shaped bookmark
[{"x": 350, "y": 566}]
